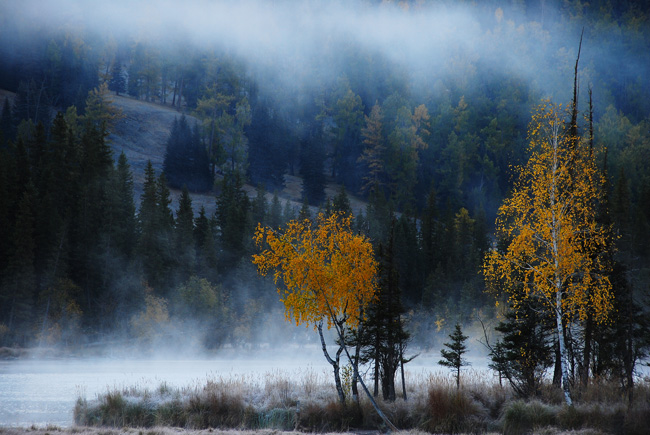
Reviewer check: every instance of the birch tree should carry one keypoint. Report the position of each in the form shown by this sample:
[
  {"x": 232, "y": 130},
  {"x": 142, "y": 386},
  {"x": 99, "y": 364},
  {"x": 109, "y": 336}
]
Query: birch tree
[
  {"x": 553, "y": 242},
  {"x": 324, "y": 273}
]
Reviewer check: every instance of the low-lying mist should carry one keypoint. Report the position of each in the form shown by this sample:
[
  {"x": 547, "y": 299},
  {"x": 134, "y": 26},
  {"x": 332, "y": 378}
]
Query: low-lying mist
[{"x": 302, "y": 46}]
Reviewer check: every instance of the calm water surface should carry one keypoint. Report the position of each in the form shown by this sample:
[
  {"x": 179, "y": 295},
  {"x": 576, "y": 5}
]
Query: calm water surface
[
  {"x": 41, "y": 392},
  {"x": 44, "y": 392}
]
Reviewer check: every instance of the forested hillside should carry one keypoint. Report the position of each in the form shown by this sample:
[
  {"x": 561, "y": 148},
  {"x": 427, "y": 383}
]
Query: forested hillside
[{"x": 419, "y": 108}]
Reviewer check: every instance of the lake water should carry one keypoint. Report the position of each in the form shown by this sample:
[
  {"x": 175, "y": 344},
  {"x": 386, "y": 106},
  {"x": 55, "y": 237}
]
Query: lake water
[{"x": 41, "y": 392}]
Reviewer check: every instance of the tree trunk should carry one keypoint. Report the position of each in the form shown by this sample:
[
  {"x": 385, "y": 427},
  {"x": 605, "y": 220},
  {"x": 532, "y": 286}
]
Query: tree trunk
[
  {"x": 334, "y": 363},
  {"x": 586, "y": 354},
  {"x": 376, "y": 374},
  {"x": 385, "y": 419},
  {"x": 180, "y": 95},
  {"x": 357, "y": 354},
  {"x": 401, "y": 363},
  {"x": 563, "y": 351}
]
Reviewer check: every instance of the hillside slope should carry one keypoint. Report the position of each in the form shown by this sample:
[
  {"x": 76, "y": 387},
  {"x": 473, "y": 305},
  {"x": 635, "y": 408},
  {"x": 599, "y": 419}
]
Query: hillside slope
[{"x": 142, "y": 134}]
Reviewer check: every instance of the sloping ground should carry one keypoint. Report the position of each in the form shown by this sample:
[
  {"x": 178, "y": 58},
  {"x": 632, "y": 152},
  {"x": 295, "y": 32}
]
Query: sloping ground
[
  {"x": 142, "y": 134},
  {"x": 6, "y": 94}
]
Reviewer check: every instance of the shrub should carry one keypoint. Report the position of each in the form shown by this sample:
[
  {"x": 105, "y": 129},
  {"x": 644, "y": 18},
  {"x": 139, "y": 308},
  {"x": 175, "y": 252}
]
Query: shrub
[
  {"x": 520, "y": 417},
  {"x": 452, "y": 411}
]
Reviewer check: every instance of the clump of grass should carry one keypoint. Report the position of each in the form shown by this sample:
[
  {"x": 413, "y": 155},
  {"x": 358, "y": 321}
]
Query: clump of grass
[
  {"x": 449, "y": 410},
  {"x": 280, "y": 390},
  {"x": 521, "y": 418},
  {"x": 277, "y": 418},
  {"x": 326, "y": 417},
  {"x": 217, "y": 405}
]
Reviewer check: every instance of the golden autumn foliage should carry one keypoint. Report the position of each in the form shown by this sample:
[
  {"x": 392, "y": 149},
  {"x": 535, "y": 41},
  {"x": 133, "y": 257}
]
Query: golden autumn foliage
[
  {"x": 322, "y": 270},
  {"x": 549, "y": 223},
  {"x": 554, "y": 244}
]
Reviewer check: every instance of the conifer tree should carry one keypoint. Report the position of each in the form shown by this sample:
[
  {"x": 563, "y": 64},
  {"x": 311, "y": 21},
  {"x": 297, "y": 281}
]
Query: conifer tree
[
  {"x": 6, "y": 123},
  {"x": 125, "y": 230},
  {"x": 288, "y": 212},
  {"x": 453, "y": 358},
  {"x": 148, "y": 219},
  {"x": 117, "y": 83},
  {"x": 275, "y": 212},
  {"x": 341, "y": 202},
  {"x": 259, "y": 206},
  {"x": 525, "y": 350},
  {"x": 186, "y": 161},
  {"x": 385, "y": 337},
  {"x": 312, "y": 157},
  {"x": 184, "y": 235},
  {"x": 373, "y": 153},
  {"x": 231, "y": 214},
  {"x": 304, "y": 212},
  {"x": 22, "y": 276}
]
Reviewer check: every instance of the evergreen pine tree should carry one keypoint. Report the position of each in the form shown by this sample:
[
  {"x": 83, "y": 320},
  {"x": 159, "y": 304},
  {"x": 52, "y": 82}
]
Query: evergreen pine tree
[
  {"x": 7, "y": 123},
  {"x": 148, "y": 219},
  {"x": 275, "y": 212},
  {"x": 453, "y": 358},
  {"x": 184, "y": 235},
  {"x": 288, "y": 213},
  {"x": 186, "y": 160},
  {"x": 384, "y": 335},
  {"x": 231, "y": 214},
  {"x": 312, "y": 157},
  {"x": 259, "y": 206},
  {"x": 117, "y": 83},
  {"x": 525, "y": 351},
  {"x": 304, "y": 210},
  {"x": 341, "y": 202},
  {"x": 22, "y": 276},
  {"x": 125, "y": 230},
  {"x": 206, "y": 252}
]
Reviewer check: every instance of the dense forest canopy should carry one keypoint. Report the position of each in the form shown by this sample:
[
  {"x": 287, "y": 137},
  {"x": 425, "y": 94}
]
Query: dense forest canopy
[{"x": 419, "y": 110}]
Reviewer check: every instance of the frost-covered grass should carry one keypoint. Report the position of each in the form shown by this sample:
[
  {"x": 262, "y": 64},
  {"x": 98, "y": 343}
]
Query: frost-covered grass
[{"x": 307, "y": 401}]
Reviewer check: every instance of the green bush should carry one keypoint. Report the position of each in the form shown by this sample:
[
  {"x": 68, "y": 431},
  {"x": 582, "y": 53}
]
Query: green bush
[{"x": 520, "y": 417}]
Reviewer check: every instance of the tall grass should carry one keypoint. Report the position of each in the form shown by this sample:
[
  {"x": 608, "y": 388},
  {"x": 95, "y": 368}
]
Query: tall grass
[{"x": 307, "y": 401}]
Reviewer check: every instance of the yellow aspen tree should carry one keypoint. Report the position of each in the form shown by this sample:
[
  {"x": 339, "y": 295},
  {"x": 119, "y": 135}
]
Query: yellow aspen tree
[
  {"x": 550, "y": 231},
  {"x": 323, "y": 271}
]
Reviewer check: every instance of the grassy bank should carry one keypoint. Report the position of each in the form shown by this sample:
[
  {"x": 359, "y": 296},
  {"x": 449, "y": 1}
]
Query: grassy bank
[{"x": 307, "y": 402}]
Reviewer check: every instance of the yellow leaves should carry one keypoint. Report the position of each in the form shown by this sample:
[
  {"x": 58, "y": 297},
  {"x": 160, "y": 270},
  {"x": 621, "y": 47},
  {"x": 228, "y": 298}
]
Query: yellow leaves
[
  {"x": 326, "y": 270},
  {"x": 549, "y": 223}
]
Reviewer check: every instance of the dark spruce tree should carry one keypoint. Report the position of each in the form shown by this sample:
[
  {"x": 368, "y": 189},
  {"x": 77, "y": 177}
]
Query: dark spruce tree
[
  {"x": 117, "y": 83},
  {"x": 232, "y": 211},
  {"x": 385, "y": 338},
  {"x": 341, "y": 202},
  {"x": 312, "y": 156},
  {"x": 7, "y": 130},
  {"x": 186, "y": 161},
  {"x": 124, "y": 209},
  {"x": 453, "y": 355},
  {"x": 268, "y": 140},
  {"x": 152, "y": 232},
  {"x": 524, "y": 352},
  {"x": 21, "y": 279},
  {"x": 184, "y": 236}
]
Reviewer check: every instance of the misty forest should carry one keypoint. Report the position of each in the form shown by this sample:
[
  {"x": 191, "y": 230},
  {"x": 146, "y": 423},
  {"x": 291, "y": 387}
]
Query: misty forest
[{"x": 377, "y": 179}]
